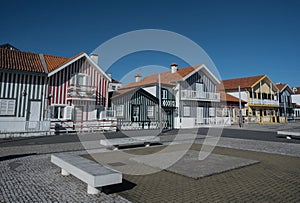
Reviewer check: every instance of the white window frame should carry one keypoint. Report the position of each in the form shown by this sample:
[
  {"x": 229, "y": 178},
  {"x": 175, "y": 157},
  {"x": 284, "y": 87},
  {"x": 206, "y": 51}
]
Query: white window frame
[
  {"x": 186, "y": 111},
  {"x": 150, "y": 111},
  {"x": 7, "y": 107},
  {"x": 120, "y": 110},
  {"x": 75, "y": 79},
  {"x": 164, "y": 94},
  {"x": 65, "y": 115}
]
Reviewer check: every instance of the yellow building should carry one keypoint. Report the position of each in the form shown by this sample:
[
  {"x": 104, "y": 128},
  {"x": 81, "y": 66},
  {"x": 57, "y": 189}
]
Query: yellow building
[{"x": 261, "y": 95}]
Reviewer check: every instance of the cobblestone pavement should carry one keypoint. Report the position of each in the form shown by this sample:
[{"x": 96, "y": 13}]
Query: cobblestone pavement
[
  {"x": 275, "y": 179},
  {"x": 36, "y": 179}
]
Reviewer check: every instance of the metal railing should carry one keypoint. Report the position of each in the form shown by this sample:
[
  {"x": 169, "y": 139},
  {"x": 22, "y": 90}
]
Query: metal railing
[
  {"x": 139, "y": 125},
  {"x": 264, "y": 102},
  {"x": 216, "y": 121},
  {"x": 82, "y": 91},
  {"x": 197, "y": 95}
]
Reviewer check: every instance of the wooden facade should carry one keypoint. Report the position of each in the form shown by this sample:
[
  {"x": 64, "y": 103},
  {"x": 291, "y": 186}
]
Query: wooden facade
[
  {"x": 188, "y": 97},
  {"x": 286, "y": 109},
  {"x": 136, "y": 109},
  {"x": 80, "y": 90},
  {"x": 37, "y": 88},
  {"x": 22, "y": 102}
]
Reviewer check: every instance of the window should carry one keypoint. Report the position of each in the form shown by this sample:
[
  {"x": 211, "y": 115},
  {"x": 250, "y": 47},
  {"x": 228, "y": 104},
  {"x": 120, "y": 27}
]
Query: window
[
  {"x": 61, "y": 112},
  {"x": 199, "y": 87},
  {"x": 186, "y": 111},
  {"x": 164, "y": 94},
  {"x": 80, "y": 79},
  {"x": 150, "y": 111},
  {"x": 119, "y": 110},
  {"x": 7, "y": 107},
  {"x": 212, "y": 111}
]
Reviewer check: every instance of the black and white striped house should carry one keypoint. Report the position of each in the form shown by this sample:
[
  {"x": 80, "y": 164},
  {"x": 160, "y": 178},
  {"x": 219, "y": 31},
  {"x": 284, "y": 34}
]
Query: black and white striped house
[
  {"x": 286, "y": 109},
  {"x": 36, "y": 89},
  {"x": 187, "y": 97},
  {"x": 23, "y": 87}
]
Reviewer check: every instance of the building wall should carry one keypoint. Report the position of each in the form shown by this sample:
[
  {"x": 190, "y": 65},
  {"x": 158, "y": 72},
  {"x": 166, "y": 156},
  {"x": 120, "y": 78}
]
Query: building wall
[
  {"x": 59, "y": 82},
  {"x": 25, "y": 90},
  {"x": 136, "y": 98}
]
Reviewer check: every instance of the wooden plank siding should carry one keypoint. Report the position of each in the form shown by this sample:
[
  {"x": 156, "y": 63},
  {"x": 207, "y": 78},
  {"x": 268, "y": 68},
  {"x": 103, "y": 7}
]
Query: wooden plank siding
[
  {"x": 190, "y": 83},
  {"x": 59, "y": 82},
  {"x": 23, "y": 88},
  {"x": 199, "y": 77},
  {"x": 140, "y": 98}
]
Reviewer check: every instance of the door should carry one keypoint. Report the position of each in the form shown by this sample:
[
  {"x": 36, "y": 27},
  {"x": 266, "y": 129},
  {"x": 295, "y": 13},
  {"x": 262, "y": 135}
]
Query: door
[
  {"x": 200, "y": 112},
  {"x": 200, "y": 90},
  {"x": 78, "y": 116},
  {"x": 135, "y": 113},
  {"x": 34, "y": 115}
]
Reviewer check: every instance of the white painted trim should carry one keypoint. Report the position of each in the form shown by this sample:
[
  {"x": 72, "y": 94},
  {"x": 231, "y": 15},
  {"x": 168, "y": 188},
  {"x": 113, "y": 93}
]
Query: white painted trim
[
  {"x": 207, "y": 72},
  {"x": 77, "y": 58}
]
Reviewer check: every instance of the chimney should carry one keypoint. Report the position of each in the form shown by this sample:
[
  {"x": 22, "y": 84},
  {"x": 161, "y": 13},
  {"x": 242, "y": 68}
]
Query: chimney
[
  {"x": 94, "y": 57},
  {"x": 174, "y": 67},
  {"x": 138, "y": 77}
]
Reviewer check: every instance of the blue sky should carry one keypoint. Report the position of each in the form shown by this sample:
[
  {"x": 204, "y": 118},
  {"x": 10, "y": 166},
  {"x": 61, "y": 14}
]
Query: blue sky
[{"x": 243, "y": 38}]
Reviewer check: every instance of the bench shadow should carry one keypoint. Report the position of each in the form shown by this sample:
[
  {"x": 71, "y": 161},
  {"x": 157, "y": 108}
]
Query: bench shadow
[
  {"x": 4, "y": 158},
  {"x": 138, "y": 146},
  {"x": 125, "y": 185}
]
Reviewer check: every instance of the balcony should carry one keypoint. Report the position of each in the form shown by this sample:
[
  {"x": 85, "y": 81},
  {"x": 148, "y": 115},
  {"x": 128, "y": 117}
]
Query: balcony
[
  {"x": 200, "y": 96},
  {"x": 81, "y": 92},
  {"x": 266, "y": 102}
]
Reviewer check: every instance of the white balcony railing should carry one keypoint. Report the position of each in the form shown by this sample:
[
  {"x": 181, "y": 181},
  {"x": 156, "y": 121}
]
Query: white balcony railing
[
  {"x": 196, "y": 95},
  {"x": 82, "y": 92},
  {"x": 264, "y": 102}
]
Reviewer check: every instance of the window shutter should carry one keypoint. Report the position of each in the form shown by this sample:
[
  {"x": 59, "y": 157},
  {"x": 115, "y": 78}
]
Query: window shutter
[
  {"x": 68, "y": 112},
  {"x": 51, "y": 112}
]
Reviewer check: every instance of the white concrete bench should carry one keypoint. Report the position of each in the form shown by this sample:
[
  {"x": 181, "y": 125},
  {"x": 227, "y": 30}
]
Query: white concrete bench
[
  {"x": 289, "y": 134},
  {"x": 128, "y": 141},
  {"x": 90, "y": 172}
]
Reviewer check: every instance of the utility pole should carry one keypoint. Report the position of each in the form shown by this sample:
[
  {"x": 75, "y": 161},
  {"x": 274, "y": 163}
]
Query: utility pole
[
  {"x": 159, "y": 103},
  {"x": 240, "y": 103}
]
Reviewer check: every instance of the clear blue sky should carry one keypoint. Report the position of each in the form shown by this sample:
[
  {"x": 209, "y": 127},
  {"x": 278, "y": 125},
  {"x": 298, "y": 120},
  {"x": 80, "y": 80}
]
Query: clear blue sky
[{"x": 243, "y": 38}]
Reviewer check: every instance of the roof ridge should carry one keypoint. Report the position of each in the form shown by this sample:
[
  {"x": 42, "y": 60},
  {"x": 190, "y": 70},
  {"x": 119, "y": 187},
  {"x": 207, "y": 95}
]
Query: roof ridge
[
  {"x": 246, "y": 77},
  {"x": 42, "y": 58}
]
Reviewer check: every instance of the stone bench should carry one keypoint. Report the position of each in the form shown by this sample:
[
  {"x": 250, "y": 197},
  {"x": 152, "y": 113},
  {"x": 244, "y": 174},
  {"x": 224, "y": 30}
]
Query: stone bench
[
  {"x": 289, "y": 134},
  {"x": 90, "y": 172},
  {"x": 129, "y": 141}
]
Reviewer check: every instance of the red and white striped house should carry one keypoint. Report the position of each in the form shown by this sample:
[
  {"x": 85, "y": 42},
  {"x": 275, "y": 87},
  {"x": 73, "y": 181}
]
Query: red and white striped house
[{"x": 35, "y": 89}]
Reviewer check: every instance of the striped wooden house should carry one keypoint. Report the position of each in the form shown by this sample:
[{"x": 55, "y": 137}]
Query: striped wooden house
[
  {"x": 35, "y": 88},
  {"x": 187, "y": 96}
]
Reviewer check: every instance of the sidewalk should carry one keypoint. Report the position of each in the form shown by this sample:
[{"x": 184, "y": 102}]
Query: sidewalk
[{"x": 292, "y": 126}]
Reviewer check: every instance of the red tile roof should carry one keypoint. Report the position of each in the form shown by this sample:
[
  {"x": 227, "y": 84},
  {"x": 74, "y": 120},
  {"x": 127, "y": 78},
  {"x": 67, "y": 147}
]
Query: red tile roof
[
  {"x": 54, "y": 62},
  {"x": 166, "y": 78},
  {"x": 297, "y": 90},
  {"x": 280, "y": 86},
  {"x": 232, "y": 84},
  {"x": 30, "y": 62},
  {"x": 225, "y": 97},
  {"x": 19, "y": 60}
]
